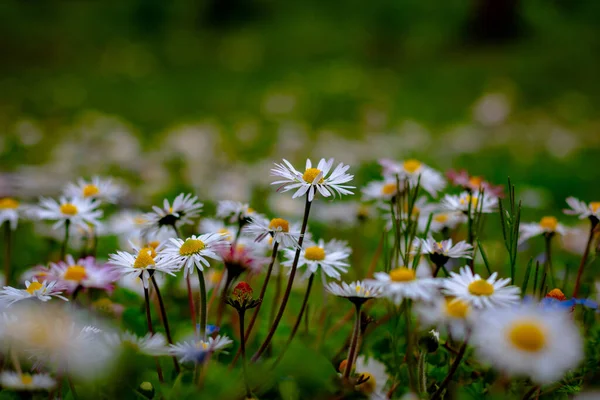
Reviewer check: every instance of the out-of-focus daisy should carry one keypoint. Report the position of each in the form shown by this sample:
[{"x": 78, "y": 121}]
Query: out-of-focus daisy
[
  {"x": 546, "y": 226},
  {"x": 461, "y": 202},
  {"x": 207, "y": 225},
  {"x": 414, "y": 171},
  {"x": 331, "y": 257},
  {"x": 184, "y": 209},
  {"x": 405, "y": 283},
  {"x": 444, "y": 220},
  {"x": 313, "y": 179},
  {"x": 79, "y": 211},
  {"x": 44, "y": 291},
  {"x": 131, "y": 226},
  {"x": 151, "y": 344},
  {"x": 343, "y": 213},
  {"x": 85, "y": 272},
  {"x": 279, "y": 229},
  {"x": 473, "y": 183},
  {"x": 441, "y": 252},
  {"x": 380, "y": 190},
  {"x": 32, "y": 383},
  {"x": 446, "y": 313},
  {"x": 479, "y": 292},
  {"x": 582, "y": 209},
  {"x": 234, "y": 212},
  {"x": 197, "y": 350},
  {"x": 372, "y": 376},
  {"x": 242, "y": 258},
  {"x": 194, "y": 251},
  {"x": 141, "y": 262},
  {"x": 357, "y": 292},
  {"x": 96, "y": 188},
  {"x": 135, "y": 284},
  {"x": 529, "y": 340},
  {"x": 9, "y": 211}
]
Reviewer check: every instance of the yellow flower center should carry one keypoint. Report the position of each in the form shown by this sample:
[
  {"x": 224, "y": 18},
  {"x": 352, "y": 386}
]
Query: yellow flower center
[
  {"x": 402, "y": 274},
  {"x": 33, "y": 286},
  {"x": 457, "y": 308},
  {"x": 202, "y": 345},
  {"x": 90, "y": 190},
  {"x": 314, "y": 253},
  {"x": 389, "y": 189},
  {"x": 481, "y": 288},
  {"x": 279, "y": 224},
  {"x": 441, "y": 218},
  {"x": 475, "y": 181},
  {"x": 411, "y": 166},
  {"x": 468, "y": 198},
  {"x": 145, "y": 258},
  {"x": 75, "y": 273},
  {"x": 595, "y": 206},
  {"x": 191, "y": 247},
  {"x": 225, "y": 232},
  {"x": 139, "y": 221},
  {"x": 153, "y": 244},
  {"x": 250, "y": 210},
  {"x": 527, "y": 336},
  {"x": 8, "y": 203},
  {"x": 549, "y": 223},
  {"x": 68, "y": 209},
  {"x": 26, "y": 379},
  {"x": 368, "y": 384},
  {"x": 310, "y": 174}
]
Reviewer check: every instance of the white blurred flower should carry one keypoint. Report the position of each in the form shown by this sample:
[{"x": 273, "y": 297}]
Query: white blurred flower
[
  {"x": 547, "y": 225},
  {"x": 373, "y": 377},
  {"x": 10, "y": 210},
  {"x": 97, "y": 188},
  {"x": 404, "y": 283},
  {"x": 32, "y": 383},
  {"x": 414, "y": 171},
  {"x": 465, "y": 200},
  {"x": 79, "y": 211},
  {"x": 44, "y": 291},
  {"x": 582, "y": 209}
]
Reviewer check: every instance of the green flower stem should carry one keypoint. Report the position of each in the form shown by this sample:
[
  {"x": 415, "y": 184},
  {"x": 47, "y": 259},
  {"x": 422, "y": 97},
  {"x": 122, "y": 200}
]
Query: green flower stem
[
  {"x": 421, "y": 367},
  {"x": 151, "y": 330},
  {"x": 461, "y": 353},
  {"x": 203, "y": 309},
  {"x": 584, "y": 258},
  {"x": 353, "y": 343},
  {"x": 165, "y": 320},
  {"x": 7, "y": 252},
  {"x": 241, "y": 313}
]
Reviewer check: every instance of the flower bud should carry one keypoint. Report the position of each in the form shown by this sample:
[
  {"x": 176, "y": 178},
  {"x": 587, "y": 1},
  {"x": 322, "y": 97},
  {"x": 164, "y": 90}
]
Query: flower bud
[{"x": 430, "y": 341}]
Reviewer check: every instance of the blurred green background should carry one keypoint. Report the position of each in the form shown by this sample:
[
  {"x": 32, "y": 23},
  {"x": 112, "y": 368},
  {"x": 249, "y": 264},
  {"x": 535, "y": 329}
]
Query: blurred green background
[{"x": 501, "y": 87}]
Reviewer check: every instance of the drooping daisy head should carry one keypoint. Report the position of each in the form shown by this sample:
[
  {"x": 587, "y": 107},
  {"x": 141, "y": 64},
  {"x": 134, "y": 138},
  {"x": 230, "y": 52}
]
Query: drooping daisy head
[
  {"x": 405, "y": 283},
  {"x": 9, "y": 211},
  {"x": 528, "y": 340},
  {"x": 141, "y": 262},
  {"x": 97, "y": 188},
  {"x": 79, "y": 211},
  {"x": 195, "y": 251},
  {"x": 330, "y": 257},
  {"x": 184, "y": 209},
  {"x": 44, "y": 291},
  {"x": 441, "y": 252},
  {"x": 313, "y": 180},
  {"x": 413, "y": 172},
  {"x": 357, "y": 292},
  {"x": 583, "y": 210},
  {"x": 547, "y": 226},
  {"x": 473, "y": 202},
  {"x": 85, "y": 273},
  {"x": 479, "y": 292},
  {"x": 26, "y": 382}
]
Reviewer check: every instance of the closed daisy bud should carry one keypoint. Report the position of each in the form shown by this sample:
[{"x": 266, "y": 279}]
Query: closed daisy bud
[{"x": 241, "y": 297}]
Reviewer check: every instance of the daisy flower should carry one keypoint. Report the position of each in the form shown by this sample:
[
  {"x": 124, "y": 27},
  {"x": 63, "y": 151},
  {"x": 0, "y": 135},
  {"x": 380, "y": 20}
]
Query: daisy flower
[
  {"x": 546, "y": 226},
  {"x": 443, "y": 220},
  {"x": 441, "y": 252},
  {"x": 529, "y": 340},
  {"x": 207, "y": 225},
  {"x": 372, "y": 376},
  {"x": 380, "y": 190},
  {"x": 17, "y": 381},
  {"x": 479, "y": 292},
  {"x": 357, "y": 292},
  {"x": 197, "y": 350},
  {"x": 151, "y": 344},
  {"x": 132, "y": 226},
  {"x": 141, "y": 262},
  {"x": 97, "y": 188},
  {"x": 446, "y": 313},
  {"x": 583, "y": 210},
  {"x": 184, "y": 209},
  {"x": 313, "y": 179},
  {"x": 85, "y": 272},
  {"x": 331, "y": 257},
  {"x": 243, "y": 258},
  {"x": 473, "y": 183},
  {"x": 405, "y": 283},
  {"x": 234, "y": 212},
  {"x": 44, "y": 291},
  {"x": 278, "y": 228},
  {"x": 81, "y": 212},
  {"x": 9, "y": 212},
  {"x": 487, "y": 204},
  {"x": 194, "y": 251},
  {"x": 414, "y": 171}
]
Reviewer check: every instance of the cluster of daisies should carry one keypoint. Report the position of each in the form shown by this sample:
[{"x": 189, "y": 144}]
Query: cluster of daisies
[{"x": 427, "y": 273}]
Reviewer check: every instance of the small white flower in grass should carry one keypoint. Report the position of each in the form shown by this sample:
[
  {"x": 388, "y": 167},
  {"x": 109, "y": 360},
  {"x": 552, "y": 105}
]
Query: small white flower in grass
[
  {"x": 582, "y": 209},
  {"x": 184, "y": 209},
  {"x": 442, "y": 220},
  {"x": 357, "y": 292},
  {"x": 208, "y": 225},
  {"x": 10, "y": 210},
  {"x": 372, "y": 376},
  {"x": 234, "y": 212},
  {"x": 279, "y": 229},
  {"x": 44, "y": 291},
  {"x": 546, "y": 226},
  {"x": 81, "y": 212},
  {"x": 529, "y": 340},
  {"x": 26, "y": 382},
  {"x": 486, "y": 204},
  {"x": 194, "y": 251},
  {"x": 132, "y": 225},
  {"x": 97, "y": 188},
  {"x": 479, "y": 292},
  {"x": 446, "y": 314},
  {"x": 380, "y": 190},
  {"x": 141, "y": 262},
  {"x": 313, "y": 179},
  {"x": 406, "y": 283},
  {"x": 197, "y": 350},
  {"x": 414, "y": 171},
  {"x": 331, "y": 257},
  {"x": 150, "y": 344},
  {"x": 441, "y": 252}
]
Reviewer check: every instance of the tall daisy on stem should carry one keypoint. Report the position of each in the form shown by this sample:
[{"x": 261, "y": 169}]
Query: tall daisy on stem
[
  {"x": 9, "y": 216},
  {"x": 309, "y": 182}
]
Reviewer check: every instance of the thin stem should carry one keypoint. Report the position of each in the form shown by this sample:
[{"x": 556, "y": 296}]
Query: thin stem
[
  {"x": 453, "y": 368},
  {"x": 191, "y": 306},
  {"x": 548, "y": 261},
  {"x": 531, "y": 392},
  {"x": 584, "y": 258},
  {"x": 7, "y": 252},
  {"x": 72, "y": 388},
  {"x": 163, "y": 312},
  {"x": 223, "y": 297},
  {"x": 151, "y": 330},
  {"x": 241, "y": 313},
  {"x": 203, "y": 309},
  {"x": 63, "y": 249},
  {"x": 422, "y": 387},
  {"x": 353, "y": 343},
  {"x": 288, "y": 289}
]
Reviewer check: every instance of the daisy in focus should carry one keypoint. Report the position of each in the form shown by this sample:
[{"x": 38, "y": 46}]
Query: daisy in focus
[
  {"x": 528, "y": 340},
  {"x": 85, "y": 273},
  {"x": 357, "y": 292},
  {"x": 479, "y": 292},
  {"x": 197, "y": 350},
  {"x": 79, "y": 211},
  {"x": 9, "y": 212},
  {"x": 96, "y": 188},
  {"x": 26, "y": 382},
  {"x": 582, "y": 209},
  {"x": 465, "y": 201},
  {"x": 194, "y": 251},
  {"x": 441, "y": 252},
  {"x": 313, "y": 179},
  {"x": 44, "y": 291},
  {"x": 331, "y": 257},
  {"x": 406, "y": 283},
  {"x": 184, "y": 209},
  {"x": 548, "y": 226},
  {"x": 414, "y": 171},
  {"x": 446, "y": 314},
  {"x": 278, "y": 228},
  {"x": 141, "y": 262}
]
